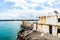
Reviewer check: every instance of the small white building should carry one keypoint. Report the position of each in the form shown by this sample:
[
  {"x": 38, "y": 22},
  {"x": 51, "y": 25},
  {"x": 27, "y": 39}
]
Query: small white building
[{"x": 49, "y": 24}]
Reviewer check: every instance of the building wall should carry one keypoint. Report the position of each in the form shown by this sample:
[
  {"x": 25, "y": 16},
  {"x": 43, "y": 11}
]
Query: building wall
[
  {"x": 51, "y": 20},
  {"x": 43, "y": 28},
  {"x": 54, "y": 31},
  {"x": 58, "y": 34},
  {"x": 39, "y": 28},
  {"x": 41, "y": 21},
  {"x": 34, "y": 27},
  {"x": 48, "y": 20}
]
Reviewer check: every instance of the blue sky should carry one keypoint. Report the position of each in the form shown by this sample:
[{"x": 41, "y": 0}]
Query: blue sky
[{"x": 27, "y": 8}]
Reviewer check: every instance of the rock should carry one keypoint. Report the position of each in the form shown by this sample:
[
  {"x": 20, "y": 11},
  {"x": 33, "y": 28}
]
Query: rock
[{"x": 35, "y": 35}]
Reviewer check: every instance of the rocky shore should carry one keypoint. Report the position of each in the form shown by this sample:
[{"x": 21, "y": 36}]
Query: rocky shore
[{"x": 34, "y": 35}]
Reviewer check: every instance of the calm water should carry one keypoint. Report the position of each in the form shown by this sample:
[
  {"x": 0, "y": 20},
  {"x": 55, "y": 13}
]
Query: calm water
[{"x": 8, "y": 30}]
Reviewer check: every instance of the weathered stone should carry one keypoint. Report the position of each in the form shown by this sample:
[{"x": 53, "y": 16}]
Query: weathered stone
[{"x": 35, "y": 35}]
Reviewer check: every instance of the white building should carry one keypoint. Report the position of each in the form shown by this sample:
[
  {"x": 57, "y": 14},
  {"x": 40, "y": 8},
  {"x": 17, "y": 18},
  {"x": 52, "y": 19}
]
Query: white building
[{"x": 49, "y": 24}]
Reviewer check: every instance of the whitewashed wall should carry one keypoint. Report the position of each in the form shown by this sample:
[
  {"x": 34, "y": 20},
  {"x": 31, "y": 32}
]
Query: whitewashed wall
[
  {"x": 54, "y": 31},
  {"x": 39, "y": 28},
  {"x": 34, "y": 27},
  {"x": 51, "y": 20},
  {"x": 58, "y": 35},
  {"x": 45, "y": 28}
]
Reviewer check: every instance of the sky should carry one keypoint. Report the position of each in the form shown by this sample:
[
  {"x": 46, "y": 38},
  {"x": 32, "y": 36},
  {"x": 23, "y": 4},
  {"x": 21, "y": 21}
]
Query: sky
[{"x": 27, "y": 9}]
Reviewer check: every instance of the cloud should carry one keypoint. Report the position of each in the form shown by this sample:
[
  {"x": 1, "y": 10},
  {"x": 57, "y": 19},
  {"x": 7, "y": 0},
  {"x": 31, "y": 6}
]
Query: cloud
[
  {"x": 30, "y": 9},
  {"x": 33, "y": 3},
  {"x": 17, "y": 14},
  {"x": 24, "y": 2}
]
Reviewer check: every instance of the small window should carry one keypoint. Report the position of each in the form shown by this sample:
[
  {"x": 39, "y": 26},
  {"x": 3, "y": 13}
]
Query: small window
[
  {"x": 58, "y": 30},
  {"x": 58, "y": 19}
]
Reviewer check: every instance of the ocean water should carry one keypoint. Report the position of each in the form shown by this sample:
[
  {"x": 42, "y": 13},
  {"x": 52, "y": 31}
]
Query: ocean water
[{"x": 9, "y": 30}]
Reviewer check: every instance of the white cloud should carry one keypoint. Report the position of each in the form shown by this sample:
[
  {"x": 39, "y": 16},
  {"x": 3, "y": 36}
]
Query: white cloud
[
  {"x": 17, "y": 14},
  {"x": 25, "y": 5},
  {"x": 26, "y": 13},
  {"x": 18, "y": 2}
]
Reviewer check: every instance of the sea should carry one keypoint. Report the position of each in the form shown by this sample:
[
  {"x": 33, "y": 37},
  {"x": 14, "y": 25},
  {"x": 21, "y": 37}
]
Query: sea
[{"x": 9, "y": 30}]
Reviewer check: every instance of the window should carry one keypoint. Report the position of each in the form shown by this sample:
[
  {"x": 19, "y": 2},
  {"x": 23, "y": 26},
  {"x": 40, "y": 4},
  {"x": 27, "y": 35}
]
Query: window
[
  {"x": 50, "y": 29},
  {"x": 58, "y": 19},
  {"x": 58, "y": 30}
]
